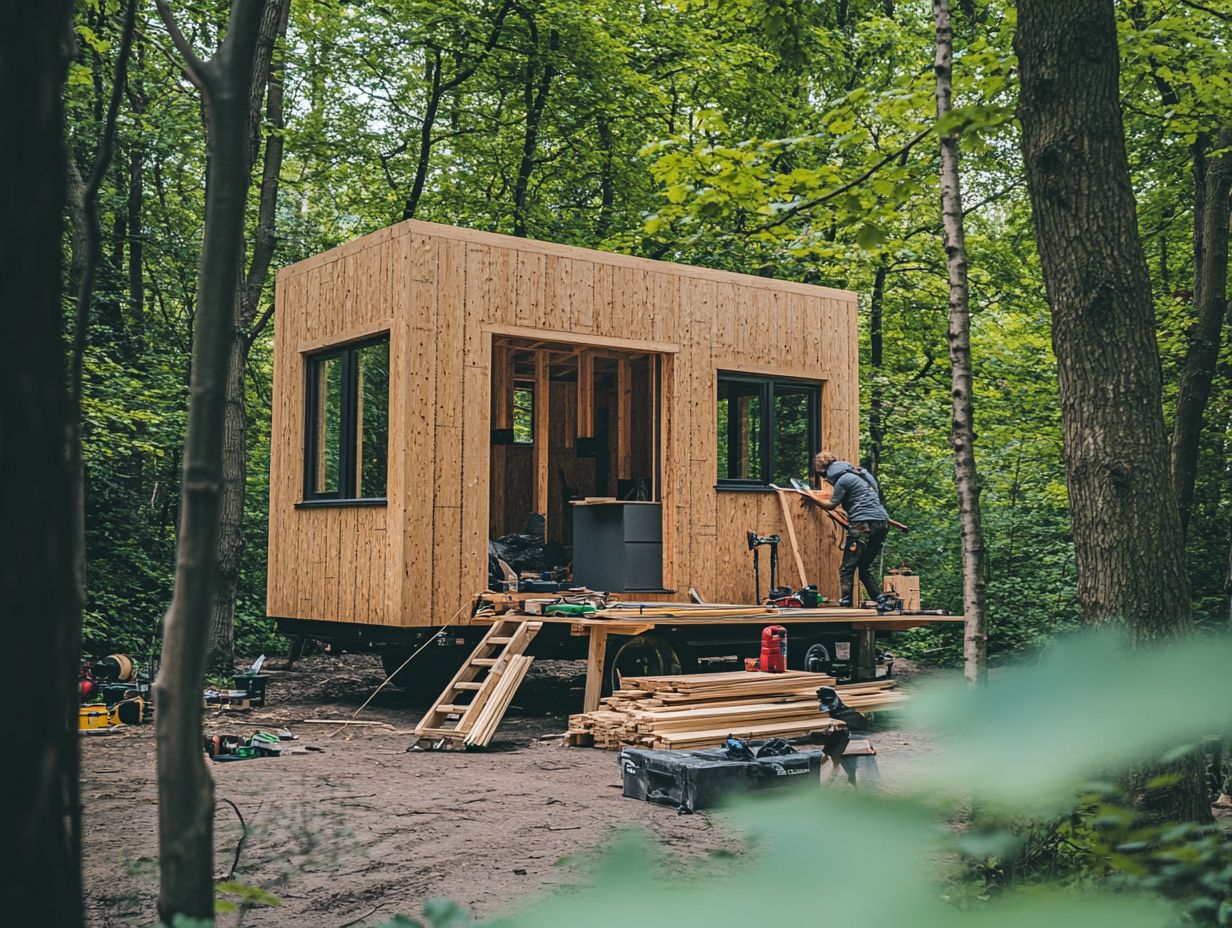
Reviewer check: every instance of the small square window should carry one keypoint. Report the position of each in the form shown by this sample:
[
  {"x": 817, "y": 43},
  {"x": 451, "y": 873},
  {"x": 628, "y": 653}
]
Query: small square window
[{"x": 767, "y": 429}]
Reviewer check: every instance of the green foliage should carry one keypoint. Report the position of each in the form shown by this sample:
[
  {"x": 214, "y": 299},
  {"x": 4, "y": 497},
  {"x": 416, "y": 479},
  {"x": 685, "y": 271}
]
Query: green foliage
[
  {"x": 233, "y": 896},
  {"x": 1056, "y": 850},
  {"x": 766, "y": 136}
]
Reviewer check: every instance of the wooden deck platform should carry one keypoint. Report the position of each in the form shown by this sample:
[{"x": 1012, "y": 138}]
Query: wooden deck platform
[{"x": 631, "y": 619}]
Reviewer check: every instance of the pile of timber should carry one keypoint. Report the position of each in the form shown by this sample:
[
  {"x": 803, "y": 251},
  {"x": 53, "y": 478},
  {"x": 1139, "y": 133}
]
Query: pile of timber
[
  {"x": 701, "y": 710},
  {"x": 493, "y": 711}
]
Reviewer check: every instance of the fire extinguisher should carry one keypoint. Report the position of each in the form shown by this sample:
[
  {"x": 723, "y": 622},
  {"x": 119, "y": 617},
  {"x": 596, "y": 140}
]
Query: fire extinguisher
[{"x": 773, "y": 649}]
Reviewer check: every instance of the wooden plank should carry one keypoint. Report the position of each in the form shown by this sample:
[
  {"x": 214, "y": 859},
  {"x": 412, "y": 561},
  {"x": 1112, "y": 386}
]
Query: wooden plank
[
  {"x": 596, "y": 655},
  {"x": 609, "y": 259},
  {"x": 418, "y": 447},
  {"x": 529, "y": 298},
  {"x": 619, "y": 342},
  {"x": 543, "y": 406},
  {"x": 624, "y": 419},
  {"x": 586, "y": 394},
  {"x": 490, "y": 717},
  {"x": 789, "y": 523},
  {"x": 582, "y": 297}
]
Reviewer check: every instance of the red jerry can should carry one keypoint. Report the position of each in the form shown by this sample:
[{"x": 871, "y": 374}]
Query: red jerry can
[{"x": 773, "y": 649}]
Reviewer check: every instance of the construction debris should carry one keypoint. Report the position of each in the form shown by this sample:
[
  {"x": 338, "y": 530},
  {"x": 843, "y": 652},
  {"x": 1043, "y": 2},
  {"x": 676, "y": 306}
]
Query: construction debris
[{"x": 703, "y": 710}]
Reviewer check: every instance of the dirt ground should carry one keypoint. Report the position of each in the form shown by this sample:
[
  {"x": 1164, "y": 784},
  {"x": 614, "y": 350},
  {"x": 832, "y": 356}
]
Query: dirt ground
[{"x": 363, "y": 830}]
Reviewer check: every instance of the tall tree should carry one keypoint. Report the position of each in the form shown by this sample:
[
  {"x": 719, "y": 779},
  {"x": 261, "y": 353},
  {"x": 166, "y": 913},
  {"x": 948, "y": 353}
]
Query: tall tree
[
  {"x": 1213, "y": 184},
  {"x": 185, "y": 789},
  {"x": 42, "y": 883},
  {"x": 266, "y": 73},
  {"x": 962, "y": 407},
  {"x": 1127, "y": 532},
  {"x": 82, "y": 196}
]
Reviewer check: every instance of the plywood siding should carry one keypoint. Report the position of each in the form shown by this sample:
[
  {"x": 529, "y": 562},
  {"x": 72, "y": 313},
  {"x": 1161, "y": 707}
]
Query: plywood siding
[{"x": 442, "y": 293}]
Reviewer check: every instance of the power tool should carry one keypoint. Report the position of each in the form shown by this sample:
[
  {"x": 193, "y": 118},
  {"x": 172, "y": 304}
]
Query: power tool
[{"x": 755, "y": 542}]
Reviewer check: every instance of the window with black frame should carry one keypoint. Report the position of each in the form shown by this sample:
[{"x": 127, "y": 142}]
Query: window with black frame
[
  {"x": 347, "y": 429},
  {"x": 768, "y": 429}
]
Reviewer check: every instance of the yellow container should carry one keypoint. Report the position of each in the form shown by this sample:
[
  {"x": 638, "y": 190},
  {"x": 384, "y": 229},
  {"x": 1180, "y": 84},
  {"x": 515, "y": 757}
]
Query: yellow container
[{"x": 90, "y": 717}]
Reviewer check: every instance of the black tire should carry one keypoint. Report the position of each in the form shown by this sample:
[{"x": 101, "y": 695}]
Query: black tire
[
  {"x": 427, "y": 674},
  {"x": 816, "y": 657},
  {"x": 647, "y": 655}
]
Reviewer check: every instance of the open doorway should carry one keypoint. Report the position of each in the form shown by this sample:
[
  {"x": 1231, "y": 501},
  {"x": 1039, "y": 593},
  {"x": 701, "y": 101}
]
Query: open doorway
[{"x": 570, "y": 422}]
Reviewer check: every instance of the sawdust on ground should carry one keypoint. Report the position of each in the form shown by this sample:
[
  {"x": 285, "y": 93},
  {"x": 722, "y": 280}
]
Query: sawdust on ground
[{"x": 364, "y": 830}]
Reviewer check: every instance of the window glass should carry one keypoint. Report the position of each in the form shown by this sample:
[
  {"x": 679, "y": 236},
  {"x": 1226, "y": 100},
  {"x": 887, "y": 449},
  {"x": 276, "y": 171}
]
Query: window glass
[
  {"x": 523, "y": 416},
  {"x": 767, "y": 430},
  {"x": 346, "y": 449},
  {"x": 791, "y": 441},
  {"x": 372, "y": 418},
  {"x": 327, "y": 444},
  {"x": 740, "y": 427}
]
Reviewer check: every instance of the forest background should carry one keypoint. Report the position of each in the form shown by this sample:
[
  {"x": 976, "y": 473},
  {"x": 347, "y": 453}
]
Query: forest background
[{"x": 787, "y": 138}]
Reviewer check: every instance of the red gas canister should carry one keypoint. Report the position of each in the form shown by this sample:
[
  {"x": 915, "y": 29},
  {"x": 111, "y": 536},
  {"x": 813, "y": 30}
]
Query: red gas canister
[{"x": 773, "y": 649}]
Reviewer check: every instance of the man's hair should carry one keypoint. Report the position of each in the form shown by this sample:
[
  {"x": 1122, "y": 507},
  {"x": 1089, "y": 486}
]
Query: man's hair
[{"x": 822, "y": 461}]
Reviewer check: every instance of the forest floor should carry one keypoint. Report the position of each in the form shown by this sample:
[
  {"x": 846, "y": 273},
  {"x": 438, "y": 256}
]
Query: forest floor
[{"x": 363, "y": 830}]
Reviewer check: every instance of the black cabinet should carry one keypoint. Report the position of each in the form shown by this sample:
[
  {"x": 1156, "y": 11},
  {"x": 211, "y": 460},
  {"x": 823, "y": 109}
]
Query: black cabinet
[{"x": 618, "y": 546}]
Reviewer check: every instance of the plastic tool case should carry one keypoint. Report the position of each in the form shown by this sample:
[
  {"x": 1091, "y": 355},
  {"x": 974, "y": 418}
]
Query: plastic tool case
[{"x": 692, "y": 780}]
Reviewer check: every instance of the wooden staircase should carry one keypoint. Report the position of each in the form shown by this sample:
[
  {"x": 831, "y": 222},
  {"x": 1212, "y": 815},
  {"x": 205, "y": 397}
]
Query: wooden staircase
[{"x": 467, "y": 713}]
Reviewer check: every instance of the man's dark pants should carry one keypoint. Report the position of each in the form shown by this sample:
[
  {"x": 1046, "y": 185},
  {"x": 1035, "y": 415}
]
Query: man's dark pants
[{"x": 860, "y": 550}]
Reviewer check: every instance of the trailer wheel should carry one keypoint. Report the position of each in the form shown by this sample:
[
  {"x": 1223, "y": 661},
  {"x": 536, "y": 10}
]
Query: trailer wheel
[
  {"x": 427, "y": 674},
  {"x": 817, "y": 658},
  {"x": 647, "y": 655}
]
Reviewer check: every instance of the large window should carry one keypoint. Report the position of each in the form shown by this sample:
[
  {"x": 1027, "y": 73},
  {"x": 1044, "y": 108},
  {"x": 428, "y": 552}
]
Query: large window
[
  {"x": 768, "y": 429},
  {"x": 347, "y": 446}
]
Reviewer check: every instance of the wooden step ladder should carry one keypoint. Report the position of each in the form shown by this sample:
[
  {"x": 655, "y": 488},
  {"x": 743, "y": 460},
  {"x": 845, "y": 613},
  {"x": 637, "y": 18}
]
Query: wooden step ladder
[{"x": 474, "y": 702}]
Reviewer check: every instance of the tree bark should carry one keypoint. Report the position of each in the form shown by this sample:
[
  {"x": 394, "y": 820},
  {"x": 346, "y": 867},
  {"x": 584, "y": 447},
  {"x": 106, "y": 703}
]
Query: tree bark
[
  {"x": 438, "y": 88},
  {"x": 537, "y": 81},
  {"x": 185, "y": 789},
  {"x": 267, "y": 73},
  {"x": 962, "y": 412},
  {"x": 1127, "y": 533},
  {"x": 42, "y": 882},
  {"x": 1213, "y": 183}
]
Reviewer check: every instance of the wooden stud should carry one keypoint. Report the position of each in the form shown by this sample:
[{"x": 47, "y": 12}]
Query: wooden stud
[
  {"x": 586, "y": 394},
  {"x": 596, "y": 655},
  {"x": 624, "y": 419},
  {"x": 543, "y": 387}
]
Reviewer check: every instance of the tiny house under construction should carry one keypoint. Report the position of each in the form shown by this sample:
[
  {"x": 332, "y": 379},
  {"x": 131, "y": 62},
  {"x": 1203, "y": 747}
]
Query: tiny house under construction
[{"x": 435, "y": 386}]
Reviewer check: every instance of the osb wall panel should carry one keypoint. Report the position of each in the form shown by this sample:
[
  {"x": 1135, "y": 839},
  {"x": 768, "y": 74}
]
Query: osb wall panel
[{"x": 443, "y": 292}]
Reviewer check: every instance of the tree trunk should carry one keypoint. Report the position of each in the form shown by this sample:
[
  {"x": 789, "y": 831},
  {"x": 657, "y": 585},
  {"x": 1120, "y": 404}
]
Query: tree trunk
[
  {"x": 1211, "y": 209},
  {"x": 185, "y": 789},
  {"x": 42, "y": 882},
  {"x": 962, "y": 413},
  {"x": 85, "y": 243},
  {"x": 1127, "y": 533},
  {"x": 535, "y": 97},
  {"x": 267, "y": 73}
]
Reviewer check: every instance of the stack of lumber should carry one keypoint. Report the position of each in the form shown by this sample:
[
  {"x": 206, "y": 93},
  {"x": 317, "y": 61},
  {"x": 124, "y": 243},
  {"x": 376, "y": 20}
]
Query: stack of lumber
[
  {"x": 702, "y": 710},
  {"x": 493, "y": 711}
]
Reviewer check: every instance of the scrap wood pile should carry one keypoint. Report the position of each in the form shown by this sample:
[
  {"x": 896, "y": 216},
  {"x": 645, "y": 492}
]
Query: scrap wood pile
[{"x": 702, "y": 710}]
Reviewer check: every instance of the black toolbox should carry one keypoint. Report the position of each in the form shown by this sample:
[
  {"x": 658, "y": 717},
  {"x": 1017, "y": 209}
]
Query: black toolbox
[{"x": 692, "y": 780}]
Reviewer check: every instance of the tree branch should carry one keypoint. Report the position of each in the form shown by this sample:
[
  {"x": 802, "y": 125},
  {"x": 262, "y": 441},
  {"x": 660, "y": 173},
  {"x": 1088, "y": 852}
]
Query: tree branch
[
  {"x": 194, "y": 67},
  {"x": 837, "y": 191},
  {"x": 259, "y": 326},
  {"x": 1201, "y": 7}
]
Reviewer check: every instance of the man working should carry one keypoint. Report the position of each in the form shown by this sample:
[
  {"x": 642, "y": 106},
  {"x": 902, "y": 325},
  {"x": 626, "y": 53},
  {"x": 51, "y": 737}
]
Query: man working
[{"x": 856, "y": 490}]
